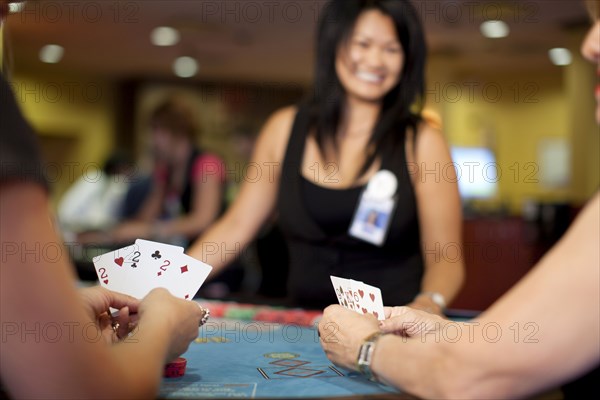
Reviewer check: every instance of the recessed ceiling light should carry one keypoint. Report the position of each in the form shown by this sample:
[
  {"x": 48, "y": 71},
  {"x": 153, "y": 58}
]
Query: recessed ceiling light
[
  {"x": 494, "y": 29},
  {"x": 164, "y": 36},
  {"x": 560, "y": 56},
  {"x": 16, "y": 7},
  {"x": 51, "y": 53},
  {"x": 185, "y": 67}
]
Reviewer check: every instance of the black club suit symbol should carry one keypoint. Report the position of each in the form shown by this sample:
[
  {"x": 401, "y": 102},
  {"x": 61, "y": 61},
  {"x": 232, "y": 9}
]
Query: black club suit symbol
[{"x": 156, "y": 255}]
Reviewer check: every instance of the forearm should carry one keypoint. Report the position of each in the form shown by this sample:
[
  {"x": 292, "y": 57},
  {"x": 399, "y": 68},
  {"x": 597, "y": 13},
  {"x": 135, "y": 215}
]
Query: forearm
[
  {"x": 189, "y": 226},
  {"x": 444, "y": 277},
  {"x": 221, "y": 244},
  {"x": 150, "y": 208},
  {"x": 420, "y": 368},
  {"x": 529, "y": 340},
  {"x": 438, "y": 364},
  {"x": 40, "y": 305}
]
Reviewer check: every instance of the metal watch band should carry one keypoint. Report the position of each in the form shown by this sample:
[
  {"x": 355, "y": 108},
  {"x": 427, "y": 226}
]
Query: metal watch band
[{"x": 365, "y": 356}]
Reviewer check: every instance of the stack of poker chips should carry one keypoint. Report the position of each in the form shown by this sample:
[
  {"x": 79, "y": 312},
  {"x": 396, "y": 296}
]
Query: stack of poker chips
[
  {"x": 175, "y": 368},
  {"x": 251, "y": 312}
]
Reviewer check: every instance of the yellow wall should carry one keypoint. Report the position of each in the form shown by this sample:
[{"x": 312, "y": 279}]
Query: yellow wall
[
  {"x": 581, "y": 80},
  {"x": 74, "y": 120},
  {"x": 556, "y": 103},
  {"x": 76, "y": 123}
]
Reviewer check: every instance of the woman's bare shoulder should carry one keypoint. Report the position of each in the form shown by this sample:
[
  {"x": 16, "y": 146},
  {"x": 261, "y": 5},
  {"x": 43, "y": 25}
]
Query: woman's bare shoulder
[{"x": 276, "y": 132}]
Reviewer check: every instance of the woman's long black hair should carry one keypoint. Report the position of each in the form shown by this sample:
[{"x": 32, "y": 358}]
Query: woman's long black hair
[{"x": 401, "y": 106}]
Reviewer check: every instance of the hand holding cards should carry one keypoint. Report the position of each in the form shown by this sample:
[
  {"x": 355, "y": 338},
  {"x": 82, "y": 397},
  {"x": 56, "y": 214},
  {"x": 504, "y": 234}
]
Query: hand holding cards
[
  {"x": 137, "y": 269},
  {"x": 358, "y": 296}
]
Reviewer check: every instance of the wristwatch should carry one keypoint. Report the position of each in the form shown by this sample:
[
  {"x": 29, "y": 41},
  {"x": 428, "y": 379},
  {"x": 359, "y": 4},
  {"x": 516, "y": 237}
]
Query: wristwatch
[
  {"x": 365, "y": 356},
  {"x": 436, "y": 297}
]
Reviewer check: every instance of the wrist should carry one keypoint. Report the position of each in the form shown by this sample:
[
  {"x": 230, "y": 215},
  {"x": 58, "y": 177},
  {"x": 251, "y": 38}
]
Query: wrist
[
  {"x": 435, "y": 297},
  {"x": 364, "y": 359}
]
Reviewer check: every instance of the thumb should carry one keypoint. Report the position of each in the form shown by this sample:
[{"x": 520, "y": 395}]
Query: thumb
[{"x": 397, "y": 325}]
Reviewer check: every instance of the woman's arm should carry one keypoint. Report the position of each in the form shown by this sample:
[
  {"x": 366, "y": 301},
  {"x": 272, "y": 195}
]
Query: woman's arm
[
  {"x": 440, "y": 217},
  {"x": 224, "y": 240},
  {"x": 151, "y": 207},
  {"x": 51, "y": 345}
]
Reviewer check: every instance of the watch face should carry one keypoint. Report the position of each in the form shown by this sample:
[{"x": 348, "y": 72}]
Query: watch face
[{"x": 438, "y": 299}]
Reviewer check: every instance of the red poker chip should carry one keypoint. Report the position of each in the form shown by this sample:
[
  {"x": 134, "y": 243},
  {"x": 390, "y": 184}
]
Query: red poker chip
[{"x": 175, "y": 368}]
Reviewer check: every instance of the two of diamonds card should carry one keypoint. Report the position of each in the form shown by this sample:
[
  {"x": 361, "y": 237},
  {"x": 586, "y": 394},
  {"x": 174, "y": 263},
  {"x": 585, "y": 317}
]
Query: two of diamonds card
[
  {"x": 137, "y": 269},
  {"x": 358, "y": 296}
]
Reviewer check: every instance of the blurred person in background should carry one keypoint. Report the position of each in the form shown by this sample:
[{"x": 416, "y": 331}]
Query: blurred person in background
[
  {"x": 187, "y": 187},
  {"x": 96, "y": 201},
  {"x": 545, "y": 330}
]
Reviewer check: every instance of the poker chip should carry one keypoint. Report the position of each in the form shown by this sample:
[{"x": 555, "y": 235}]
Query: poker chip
[
  {"x": 175, "y": 368},
  {"x": 268, "y": 315},
  {"x": 246, "y": 314},
  {"x": 217, "y": 309}
]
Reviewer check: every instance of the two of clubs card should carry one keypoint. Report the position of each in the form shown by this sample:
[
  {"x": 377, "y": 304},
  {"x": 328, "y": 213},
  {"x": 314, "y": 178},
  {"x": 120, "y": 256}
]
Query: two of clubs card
[
  {"x": 137, "y": 269},
  {"x": 358, "y": 296}
]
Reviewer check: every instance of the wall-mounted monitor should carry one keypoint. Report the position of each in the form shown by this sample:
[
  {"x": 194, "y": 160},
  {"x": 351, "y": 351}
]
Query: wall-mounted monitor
[{"x": 477, "y": 172}]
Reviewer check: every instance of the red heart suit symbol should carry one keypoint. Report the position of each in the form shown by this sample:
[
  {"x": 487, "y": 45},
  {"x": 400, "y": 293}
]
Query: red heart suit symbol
[
  {"x": 372, "y": 296},
  {"x": 119, "y": 261},
  {"x": 361, "y": 292},
  {"x": 105, "y": 281}
]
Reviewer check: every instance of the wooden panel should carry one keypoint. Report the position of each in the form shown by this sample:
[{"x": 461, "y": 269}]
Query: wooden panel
[{"x": 497, "y": 253}]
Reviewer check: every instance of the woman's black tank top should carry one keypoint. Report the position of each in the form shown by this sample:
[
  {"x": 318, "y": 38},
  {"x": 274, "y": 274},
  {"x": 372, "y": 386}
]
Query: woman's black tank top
[{"x": 315, "y": 221}]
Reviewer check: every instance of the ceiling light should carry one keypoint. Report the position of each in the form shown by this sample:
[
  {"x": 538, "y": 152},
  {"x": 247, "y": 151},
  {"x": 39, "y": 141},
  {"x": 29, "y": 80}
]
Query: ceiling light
[
  {"x": 560, "y": 56},
  {"x": 164, "y": 36},
  {"x": 494, "y": 29},
  {"x": 16, "y": 7},
  {"x": 51, "y": 53},
  {"x": 185, "y": 67}
]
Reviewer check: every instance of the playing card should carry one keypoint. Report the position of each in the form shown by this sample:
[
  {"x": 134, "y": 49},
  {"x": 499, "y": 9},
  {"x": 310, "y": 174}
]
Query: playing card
[
  {"x": 368, "y": 299},
  {"x": 159, "y": 246},
  {"x": 137, "y": 269},
  {"x": 184, "y": 276},
  {"x": 157, "y": 259},
  {"x": 358, "y": 296},
  {"x": 120, "y": 271},
  {"x": 344, "y": 286},
  {"x": 349, "y": 294},
  {"x": 339, "y": 291}
]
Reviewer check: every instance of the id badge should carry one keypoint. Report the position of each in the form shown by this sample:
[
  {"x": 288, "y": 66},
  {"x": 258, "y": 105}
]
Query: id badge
[{"x": 376, "y": 205}]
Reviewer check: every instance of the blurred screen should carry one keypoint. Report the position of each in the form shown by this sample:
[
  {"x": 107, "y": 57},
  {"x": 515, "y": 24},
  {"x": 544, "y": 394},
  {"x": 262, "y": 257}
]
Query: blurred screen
[{"x": 476, "y": 171}]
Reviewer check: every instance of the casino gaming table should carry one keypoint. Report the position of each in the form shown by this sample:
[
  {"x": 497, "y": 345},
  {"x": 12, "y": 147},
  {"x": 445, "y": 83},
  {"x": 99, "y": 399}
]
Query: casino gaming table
[{"x": 264, "y": 352}]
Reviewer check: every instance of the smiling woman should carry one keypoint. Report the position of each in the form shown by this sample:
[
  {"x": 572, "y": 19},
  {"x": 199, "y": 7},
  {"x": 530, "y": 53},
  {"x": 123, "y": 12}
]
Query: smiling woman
[
  {"x": 361, "y": 126},
  {"x": 369, "y": 64}
]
